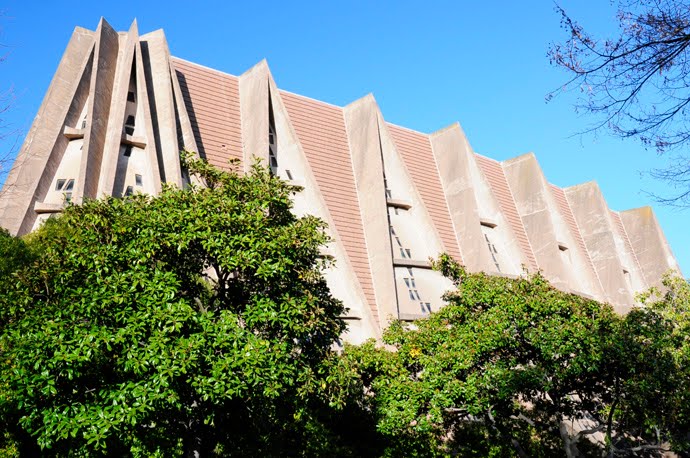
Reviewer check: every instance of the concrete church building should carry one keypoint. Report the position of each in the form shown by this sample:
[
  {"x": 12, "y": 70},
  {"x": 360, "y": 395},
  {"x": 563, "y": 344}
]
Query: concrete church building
[{"x": 120, "y": 108}]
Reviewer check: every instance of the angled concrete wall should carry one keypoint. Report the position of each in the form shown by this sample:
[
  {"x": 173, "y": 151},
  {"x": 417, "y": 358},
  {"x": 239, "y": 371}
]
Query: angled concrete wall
[
  {"x": 649, "y": 243},
  {"x": 597, "y": 229}
]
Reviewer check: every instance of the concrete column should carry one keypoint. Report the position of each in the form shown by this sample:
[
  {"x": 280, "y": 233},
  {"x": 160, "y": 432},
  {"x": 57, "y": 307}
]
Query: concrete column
[
  {"x": 361, "y": 119},
  {"x": 254, "y": 101},
  {"x": 102, "y": 80}
]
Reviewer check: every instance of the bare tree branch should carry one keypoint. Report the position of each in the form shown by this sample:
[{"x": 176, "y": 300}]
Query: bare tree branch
[{"x": 637, "y": 84}]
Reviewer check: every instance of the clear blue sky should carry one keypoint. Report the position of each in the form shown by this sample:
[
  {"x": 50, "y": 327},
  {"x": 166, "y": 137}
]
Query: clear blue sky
[{"x": 428, "y": 64}]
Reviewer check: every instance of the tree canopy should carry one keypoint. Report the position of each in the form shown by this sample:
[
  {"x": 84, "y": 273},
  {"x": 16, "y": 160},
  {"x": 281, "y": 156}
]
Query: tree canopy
[
  {"x": 197, "y": 323},
  {"x": 637, "y": 82},
  {"x": 515, "y": 367},
  {"x": 190, "y": 322}
]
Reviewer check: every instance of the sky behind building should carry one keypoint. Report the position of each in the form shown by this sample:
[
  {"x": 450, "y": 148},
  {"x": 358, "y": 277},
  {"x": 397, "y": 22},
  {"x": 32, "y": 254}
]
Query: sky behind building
[{"x": 428, "y": 65}]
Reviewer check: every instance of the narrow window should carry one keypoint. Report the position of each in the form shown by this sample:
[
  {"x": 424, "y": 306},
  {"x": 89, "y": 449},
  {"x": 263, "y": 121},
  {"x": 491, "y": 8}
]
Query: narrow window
[
  {"x": 426, "y": 307},
  {"x": 486, "y": 230},
  {"x": 289, "y": 174},
  {"x": 128, "y": 151},
  {"x": 388, "y": 191},
  {"x": 130, "y": 96},
  {"x": 137, "y": 180},
  {"x": 60, "y": 184},
  {"x": 69, "y": 186},
  {"x": 411, "y": 286},
  {"x": 129, "y": 125},
  {"x": 272, "y": 149},
  {"x": 129, "y": 191}
]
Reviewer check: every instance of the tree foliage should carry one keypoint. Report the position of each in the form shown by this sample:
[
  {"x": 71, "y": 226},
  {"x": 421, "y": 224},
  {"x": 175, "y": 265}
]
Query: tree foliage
[
  {"x": 514, "y": 367},
  {"x": 637, "y": 83},
  {"x": 197, "y": 323},
  {"x": 193, "y": 322}
]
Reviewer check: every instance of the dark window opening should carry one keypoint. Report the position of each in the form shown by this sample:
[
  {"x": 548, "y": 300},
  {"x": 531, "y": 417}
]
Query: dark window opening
[
  {"x": 60, "y": 184},
  {"x": 129, "y": 191},
  {"x": 272, "y": 140},
  {"x": 138, "y": 180},
  {"x": 130, "y": 96},
  {"x": 128, "y": 151}
]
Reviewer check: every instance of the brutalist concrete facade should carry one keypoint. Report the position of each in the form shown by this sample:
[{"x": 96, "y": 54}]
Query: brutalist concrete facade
[{"x": 120, "y": 108}]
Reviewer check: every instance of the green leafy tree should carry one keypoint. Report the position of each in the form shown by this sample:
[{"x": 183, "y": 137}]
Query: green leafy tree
[
  {"x": 515, "y": 367},
  {"x": 190, "y": 323}
]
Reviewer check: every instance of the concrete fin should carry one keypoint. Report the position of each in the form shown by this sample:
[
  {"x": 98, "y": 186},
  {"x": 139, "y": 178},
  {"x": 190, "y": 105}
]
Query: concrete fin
[
  {"x": 254, "y": 106},
  {"x": 649, "y": 244},
  {"x": 579, "y": 246},
  {"x": 114, "y": 167},
  {"x": 597, "y": 228},
  {"x": 160, "y": 88},
  {"x": 513, "y": 232},
  {"x": 102, "y": 81},
  {"x": 363, "y": 130},
  {"x": 31, "y": 176}
]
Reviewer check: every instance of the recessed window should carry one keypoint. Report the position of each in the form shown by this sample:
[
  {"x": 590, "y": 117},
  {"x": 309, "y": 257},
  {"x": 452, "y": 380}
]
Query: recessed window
[
  {"x": 128, "y": 151},
  {"x": 405, "y": 253},
  {"x": 487, "y": 230},
  {"x": 129, "y": 191},
  {"x": 65, "y": 185},
  {"x": 130, "y": 96},
  {"x": 138, "y": 180},
  {"x": 562, "y": 247},
  {"x": 129, "y": 125},
  {"x": 426, "y": 307},
  {"x": 289, "y": 174},
  {"x": 412, "y": 291},
  {"x": 272, "y": 148},
  {"x": 389, "y": 194}
]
